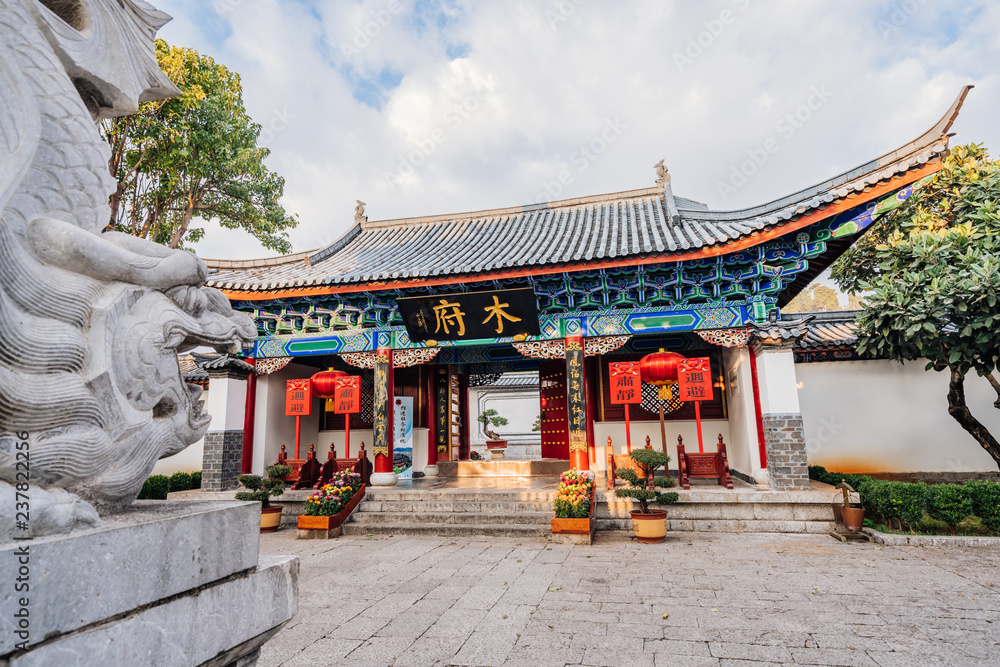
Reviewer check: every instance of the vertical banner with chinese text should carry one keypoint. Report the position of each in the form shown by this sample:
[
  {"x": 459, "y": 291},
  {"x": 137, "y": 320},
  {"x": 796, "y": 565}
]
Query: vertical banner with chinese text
[
  {"x": 402, "y": 436},
  {"x": 694, "y": 383},
  {"x": 298, "y": 398},
  {"x": 576, "y": 404},
  {"x": 443, "y": 411},
  {"x": 382, "y": 410}
]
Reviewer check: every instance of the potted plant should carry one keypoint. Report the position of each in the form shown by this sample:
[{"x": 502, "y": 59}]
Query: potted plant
[
  {"x": 574, "y": 503},
  {"x": 494, "y": 444},
  {"x": 262, "y": 489},
  {"x": 329, "y": 507},
  {"x": 649, "y": 526}
]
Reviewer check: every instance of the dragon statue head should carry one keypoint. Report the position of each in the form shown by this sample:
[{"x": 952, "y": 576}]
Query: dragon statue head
[{"x": 91, "y": 393}]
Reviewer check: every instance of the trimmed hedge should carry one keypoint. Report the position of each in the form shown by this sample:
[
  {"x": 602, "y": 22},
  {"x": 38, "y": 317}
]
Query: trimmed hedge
[
  {"x": 180, "y": 481},
  {"x": 196, "y": 480},
  {"x": 972, "y": 507},
  {"x": 155, "y": 488}
]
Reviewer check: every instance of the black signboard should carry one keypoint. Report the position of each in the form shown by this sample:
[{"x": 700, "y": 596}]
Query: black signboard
[{"x": 470, "y": 315}]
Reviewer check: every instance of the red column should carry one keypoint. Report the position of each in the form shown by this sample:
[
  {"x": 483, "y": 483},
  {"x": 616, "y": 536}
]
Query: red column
[
  {"x": 248, "y": 419},
  {"x": 430, "y": 412},
  {"x": 382, "y": 441},
  {"x": 576, "y": 404},
  {"x": 756, "y": 408}
]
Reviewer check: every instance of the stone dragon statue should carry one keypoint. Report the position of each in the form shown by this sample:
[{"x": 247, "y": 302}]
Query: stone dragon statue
[{"x": 90, "y": 323}]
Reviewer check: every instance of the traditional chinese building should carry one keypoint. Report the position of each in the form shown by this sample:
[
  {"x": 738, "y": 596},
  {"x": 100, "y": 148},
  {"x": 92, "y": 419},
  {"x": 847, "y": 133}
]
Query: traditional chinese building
[{"x": 428, "y": 307}]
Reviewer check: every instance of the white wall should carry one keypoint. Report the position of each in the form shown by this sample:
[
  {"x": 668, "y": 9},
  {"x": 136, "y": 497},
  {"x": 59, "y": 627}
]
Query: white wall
[
  {"x": 519, "y": 406},
  {"x": 710, "y": 428},
  {"x": 743, "y": 445},
  {"x": 272, "y": 428},
  {"x": 879, "y": 416}
]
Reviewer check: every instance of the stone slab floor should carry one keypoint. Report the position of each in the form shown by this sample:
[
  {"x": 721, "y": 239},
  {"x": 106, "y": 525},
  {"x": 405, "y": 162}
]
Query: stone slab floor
[{"x": 698, "y": 599}]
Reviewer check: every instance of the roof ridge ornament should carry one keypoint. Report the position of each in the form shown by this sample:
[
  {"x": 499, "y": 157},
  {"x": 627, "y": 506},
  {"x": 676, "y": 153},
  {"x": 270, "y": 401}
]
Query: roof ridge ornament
[
  {"x": 663, "y": 180},
  {"x": 359, "y": 212}
]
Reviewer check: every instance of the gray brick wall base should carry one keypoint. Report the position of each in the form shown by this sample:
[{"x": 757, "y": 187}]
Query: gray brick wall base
[
  {"x": 222, "y": 460},
  {"x": 786, "y": 452}
]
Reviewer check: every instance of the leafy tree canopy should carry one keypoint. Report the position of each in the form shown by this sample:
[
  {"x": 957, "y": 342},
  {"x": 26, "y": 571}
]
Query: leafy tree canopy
[
  {"x": 931, "y": 273},
  {"x": 195, "y": 155}
]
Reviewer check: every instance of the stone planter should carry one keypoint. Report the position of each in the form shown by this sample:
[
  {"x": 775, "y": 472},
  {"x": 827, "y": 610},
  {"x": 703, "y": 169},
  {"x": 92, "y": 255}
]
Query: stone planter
[
  {"x": 576, "y": 530},
  {"x": 324, "y": 527},
  {"x": 497, "y": 449},
  {"x": 649, "y": 528},
  {"x": 270, "y": 518}
]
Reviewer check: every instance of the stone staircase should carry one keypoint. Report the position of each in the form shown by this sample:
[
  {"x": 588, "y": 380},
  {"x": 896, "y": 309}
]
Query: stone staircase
[{"x": 452, "y": 513}]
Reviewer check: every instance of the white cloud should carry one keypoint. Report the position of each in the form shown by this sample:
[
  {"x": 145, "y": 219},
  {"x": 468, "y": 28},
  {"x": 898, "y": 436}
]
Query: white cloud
[{"x": 561, "y": 80}]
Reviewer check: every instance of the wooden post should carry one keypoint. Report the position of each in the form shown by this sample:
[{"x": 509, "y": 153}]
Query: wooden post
[
  {"x": 697, "y": 419},
  {"x": 298, "y": 434},
  {"x": 347, "y": 435},
  {"x": 611, "y": 464},
  {"x": 628, "y": 431},
  {"x": 663, "y": 430}
]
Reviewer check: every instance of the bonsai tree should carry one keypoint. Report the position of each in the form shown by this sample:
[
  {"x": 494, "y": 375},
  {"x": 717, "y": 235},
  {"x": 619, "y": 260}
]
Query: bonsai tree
[
  {"x": 491, "y": 418},
  {"x": 537, "y": 426},
  {"x": 644, "y": 487},
  {"x": 262, "y": 489}
]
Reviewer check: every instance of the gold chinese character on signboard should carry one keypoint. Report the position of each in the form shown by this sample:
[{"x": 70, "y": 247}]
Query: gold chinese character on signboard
[
  {"x": 447, "y": 319},
  {"x": 496, "y": 310}
]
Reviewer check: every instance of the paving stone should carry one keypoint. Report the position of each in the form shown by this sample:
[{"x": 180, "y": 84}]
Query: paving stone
[{"x": 732, "y": 599}]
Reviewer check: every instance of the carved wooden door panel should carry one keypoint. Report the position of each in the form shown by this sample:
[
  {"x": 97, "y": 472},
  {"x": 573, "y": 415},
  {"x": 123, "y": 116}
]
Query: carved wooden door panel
[{"x": 555, "y": 427}]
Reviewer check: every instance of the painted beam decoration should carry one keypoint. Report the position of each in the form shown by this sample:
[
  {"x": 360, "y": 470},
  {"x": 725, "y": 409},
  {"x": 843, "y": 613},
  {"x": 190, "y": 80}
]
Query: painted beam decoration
[
  {"x": 298, "y": 398},
  {"x": 470, "y": 315}
]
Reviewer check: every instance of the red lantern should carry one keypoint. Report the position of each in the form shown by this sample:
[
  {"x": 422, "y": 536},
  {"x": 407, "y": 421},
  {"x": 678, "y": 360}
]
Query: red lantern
[
  {"x": 323, "y": 386},
  {"x": 660, "y": 369}
]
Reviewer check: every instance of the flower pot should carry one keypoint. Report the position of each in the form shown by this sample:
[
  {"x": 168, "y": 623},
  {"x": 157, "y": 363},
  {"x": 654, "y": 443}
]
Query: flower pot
[
  {"x": 854, "y": 517},
  {"x": 649, "y": 528},
  {"x": 497, "y": 449},
  {"x": 576, "y": 526},
  {"x": 306, "y": 522},
  {"x": 270, "y": 518}
]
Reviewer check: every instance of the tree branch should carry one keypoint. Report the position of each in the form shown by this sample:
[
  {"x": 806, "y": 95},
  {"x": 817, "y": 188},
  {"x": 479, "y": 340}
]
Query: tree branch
[{"x": 958, "y": 409}]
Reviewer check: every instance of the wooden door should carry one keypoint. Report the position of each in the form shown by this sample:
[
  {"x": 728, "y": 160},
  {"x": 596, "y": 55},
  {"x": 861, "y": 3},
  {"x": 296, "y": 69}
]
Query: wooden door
[{"x": 555, "y": 426}]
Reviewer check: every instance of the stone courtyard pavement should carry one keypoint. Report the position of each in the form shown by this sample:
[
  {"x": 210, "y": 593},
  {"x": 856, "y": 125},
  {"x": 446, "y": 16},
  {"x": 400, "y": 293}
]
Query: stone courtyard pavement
[{"x": 698, "y": 599}]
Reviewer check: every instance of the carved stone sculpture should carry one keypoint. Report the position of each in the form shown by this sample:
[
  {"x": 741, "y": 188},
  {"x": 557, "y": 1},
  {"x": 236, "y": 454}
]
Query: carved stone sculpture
[
  {"x": 359, "y": 212},
  {"x": 90, "y": 322},
  {"x": 662, "y": 175}
]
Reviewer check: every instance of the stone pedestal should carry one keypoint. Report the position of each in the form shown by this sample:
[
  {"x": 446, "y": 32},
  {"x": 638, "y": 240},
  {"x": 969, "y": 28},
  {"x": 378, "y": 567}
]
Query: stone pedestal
[
  {"x": 431, "y": 471},
  {"x": 165, "y": 583},
  {"x": 384, "y": 479}
]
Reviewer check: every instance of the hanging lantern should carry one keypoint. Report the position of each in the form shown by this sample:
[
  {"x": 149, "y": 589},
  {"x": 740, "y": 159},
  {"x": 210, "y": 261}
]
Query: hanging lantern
[
  {"x": 323, "y": 385},
  {"x": 660, "y": 369}
]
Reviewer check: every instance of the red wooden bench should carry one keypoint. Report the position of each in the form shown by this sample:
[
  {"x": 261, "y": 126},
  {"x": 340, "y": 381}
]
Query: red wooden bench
[
  {"x": 359, "y": 464},
  {"x": 308, "y": 473},
  {"x": 703, "y": 465}
]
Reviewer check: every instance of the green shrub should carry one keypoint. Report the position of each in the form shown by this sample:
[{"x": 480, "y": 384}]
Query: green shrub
[
  {"x": 875, "y": 498},
  {"x": 262, "y": 489},
  {"x": 155, "y": 488},
  {"x": 196, "y": 480},
  {"x": 908, "y": 502},
  {"x": 820, "y": 474},
  {"x": 929, "y": 524},
  {"x": 649, "y": 460},
  {"x": 972, "y": 525},
  {"x": 949, "y": 503},
  {"x": 985, "y": 502},
  {"x": 180, "y": 481}
]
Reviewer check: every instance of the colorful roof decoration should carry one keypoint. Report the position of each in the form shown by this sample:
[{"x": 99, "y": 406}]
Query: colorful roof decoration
[{"x": 631, "y": 228}]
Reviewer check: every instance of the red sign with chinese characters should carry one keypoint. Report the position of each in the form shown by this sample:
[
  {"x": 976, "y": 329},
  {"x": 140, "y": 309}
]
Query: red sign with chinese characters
[
  {"x": 694, "y": 379},
  {"x": 626, "y": 384},
  {"x": 347, "y": 394},
  {"x": 298, "y": 398}
]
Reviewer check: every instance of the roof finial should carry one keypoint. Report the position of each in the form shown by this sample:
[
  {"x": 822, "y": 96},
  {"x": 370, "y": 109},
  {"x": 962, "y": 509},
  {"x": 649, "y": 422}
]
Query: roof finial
[
  {"x": 359, "y": 212},
  {"x": 662, "y": 177}
]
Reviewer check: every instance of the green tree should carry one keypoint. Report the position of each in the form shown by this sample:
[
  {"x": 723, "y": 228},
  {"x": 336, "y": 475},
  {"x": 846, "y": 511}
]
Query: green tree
[
  {"x": 932, "y": 276},
  {"x": 816, "y": 298},
  {"x": 195, "y": 155}
]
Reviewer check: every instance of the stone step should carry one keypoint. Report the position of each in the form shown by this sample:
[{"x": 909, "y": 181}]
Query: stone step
[
  {"x": 447, "y": 529},
  {"x": 390, "y": 495},
  {"x": 454, "y": 518},
  {"x": 723, "y": 526},
  {"x": 449, "y": 506}
]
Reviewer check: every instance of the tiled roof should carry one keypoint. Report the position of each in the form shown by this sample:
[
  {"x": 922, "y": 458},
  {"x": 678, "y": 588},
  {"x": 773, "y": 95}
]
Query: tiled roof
[
  {"x": 820, "y": 330},
  {"x": 617, "y": 226}
]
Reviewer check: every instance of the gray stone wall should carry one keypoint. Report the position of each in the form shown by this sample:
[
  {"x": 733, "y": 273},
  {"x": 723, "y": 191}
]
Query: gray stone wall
[
  {"x": 786, "y": 451},
  {"x": 222, "y": 460}
]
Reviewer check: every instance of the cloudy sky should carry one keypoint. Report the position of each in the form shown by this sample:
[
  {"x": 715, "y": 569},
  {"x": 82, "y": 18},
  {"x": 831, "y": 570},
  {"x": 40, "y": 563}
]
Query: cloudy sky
[{"x": 434, "y": 106}]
